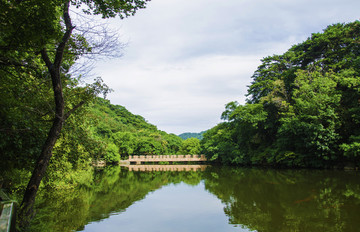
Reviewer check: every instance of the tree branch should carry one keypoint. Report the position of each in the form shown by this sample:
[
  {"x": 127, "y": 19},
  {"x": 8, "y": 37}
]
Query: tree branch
[
  {"x": 69, "y": 28},
  {"x": 73, "y": 110}
]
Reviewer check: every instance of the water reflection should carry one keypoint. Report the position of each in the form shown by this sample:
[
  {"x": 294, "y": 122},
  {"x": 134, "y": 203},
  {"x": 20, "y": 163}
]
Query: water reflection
[
  {"x": 253, "y": 199},
  {"x": 112, "y": 191},
  {"x": 300, "y": 200},
  {"x": 174, "y": 208}
]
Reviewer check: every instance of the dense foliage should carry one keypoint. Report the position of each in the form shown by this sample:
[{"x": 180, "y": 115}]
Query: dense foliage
[
  {"x": 41, "y": 96},
  {"x": 302, "y": 109},
  {"x": 124, "y": 133},
  {"x": 190, "y": 146},
  {"x": 99, "y": 131},
  {"x": 38, "y": 47}
]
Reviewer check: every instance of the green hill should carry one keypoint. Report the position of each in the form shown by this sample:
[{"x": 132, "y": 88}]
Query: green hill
[
  {"x": 126, "y": 134},
  {"x": 192, "y": 135}
]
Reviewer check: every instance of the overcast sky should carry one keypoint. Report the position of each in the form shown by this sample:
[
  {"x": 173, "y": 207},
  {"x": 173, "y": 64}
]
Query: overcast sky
[{"x": 184, "y": 60}]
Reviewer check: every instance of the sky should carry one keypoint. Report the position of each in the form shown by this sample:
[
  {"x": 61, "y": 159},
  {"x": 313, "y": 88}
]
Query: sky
[{"x": 185, "y": 60}]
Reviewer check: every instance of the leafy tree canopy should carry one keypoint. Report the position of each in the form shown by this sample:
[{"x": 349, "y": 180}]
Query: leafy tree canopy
[{"x": 302, "y": 107}]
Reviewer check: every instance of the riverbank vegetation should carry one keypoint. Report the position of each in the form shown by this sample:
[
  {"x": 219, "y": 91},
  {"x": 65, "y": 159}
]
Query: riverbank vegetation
[{"x": 302, "y": 108}]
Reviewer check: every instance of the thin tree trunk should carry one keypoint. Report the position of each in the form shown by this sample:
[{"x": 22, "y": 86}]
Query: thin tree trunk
[{"x": 26, "y": 211}]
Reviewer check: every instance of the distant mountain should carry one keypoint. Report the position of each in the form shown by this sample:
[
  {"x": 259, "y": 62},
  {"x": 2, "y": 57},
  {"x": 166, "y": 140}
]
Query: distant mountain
[{"x": 192, "y": 135}]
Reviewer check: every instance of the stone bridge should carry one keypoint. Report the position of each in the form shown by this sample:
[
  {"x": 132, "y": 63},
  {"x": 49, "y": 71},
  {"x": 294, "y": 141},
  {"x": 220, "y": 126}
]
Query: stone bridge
[
  {"x": 138, "y": 159},
  {"x": 173, "y": 168}
]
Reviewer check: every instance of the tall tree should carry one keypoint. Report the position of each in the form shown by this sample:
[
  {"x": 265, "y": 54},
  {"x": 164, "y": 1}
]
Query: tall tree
[
  {"x": 38, "y": 35},
  {"x": 302, "y": 109}
]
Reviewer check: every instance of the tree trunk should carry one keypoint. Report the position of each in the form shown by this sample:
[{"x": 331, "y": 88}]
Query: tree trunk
[{"x": 26, "y": 211}]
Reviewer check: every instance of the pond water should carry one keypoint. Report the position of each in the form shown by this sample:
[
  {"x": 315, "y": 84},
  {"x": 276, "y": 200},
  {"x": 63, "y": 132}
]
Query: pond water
[{"x": 212, "y": 199}]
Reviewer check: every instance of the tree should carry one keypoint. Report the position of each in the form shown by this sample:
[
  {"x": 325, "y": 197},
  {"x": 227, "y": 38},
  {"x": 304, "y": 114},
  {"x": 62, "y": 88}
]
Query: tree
[
  {"x": 218, "y": 144},
  {"x": 310, "y": 127},
  {"x": 190, "y": 146},
  {"x": 125, "y": 141},
  {"x": 38, "y": 35},
  {"x": 303, "y": 107}
]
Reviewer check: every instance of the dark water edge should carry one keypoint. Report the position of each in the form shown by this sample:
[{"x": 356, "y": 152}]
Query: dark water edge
[{"x": 248, "y": 199}]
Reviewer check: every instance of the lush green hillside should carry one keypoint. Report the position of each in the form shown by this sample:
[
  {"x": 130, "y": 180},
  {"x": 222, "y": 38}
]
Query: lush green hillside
[
  {"x": 96, "y": 131},
  {"x": 192, "y": 135},
  {"x": 303, "y": 107},
  {"x": 126, "y": 134}
]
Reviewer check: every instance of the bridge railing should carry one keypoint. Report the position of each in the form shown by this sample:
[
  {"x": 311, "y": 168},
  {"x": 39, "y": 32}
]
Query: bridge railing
[
  {"x": 178, "y": 168},
  {"x": 159, "y": 158}
]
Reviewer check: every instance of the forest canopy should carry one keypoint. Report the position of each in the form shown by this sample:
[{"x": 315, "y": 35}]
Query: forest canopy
[{"x": 302, "y": 108}]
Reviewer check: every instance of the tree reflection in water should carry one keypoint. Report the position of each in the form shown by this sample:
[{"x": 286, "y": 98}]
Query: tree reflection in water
[
  {"x": 288, "y": 200},
  {"x": 258, "y": 199}
]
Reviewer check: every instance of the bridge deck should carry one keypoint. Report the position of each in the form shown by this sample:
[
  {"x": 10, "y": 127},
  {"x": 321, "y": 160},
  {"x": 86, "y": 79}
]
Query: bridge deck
[
  {"x": 166, "y": 158},
  {"x": 178, "y": 168}
]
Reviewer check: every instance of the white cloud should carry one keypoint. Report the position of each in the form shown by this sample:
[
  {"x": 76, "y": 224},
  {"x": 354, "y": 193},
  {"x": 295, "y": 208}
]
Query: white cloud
[
  {"x": 186, "y": 59},
  {"x": 194, "y": 88}
]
